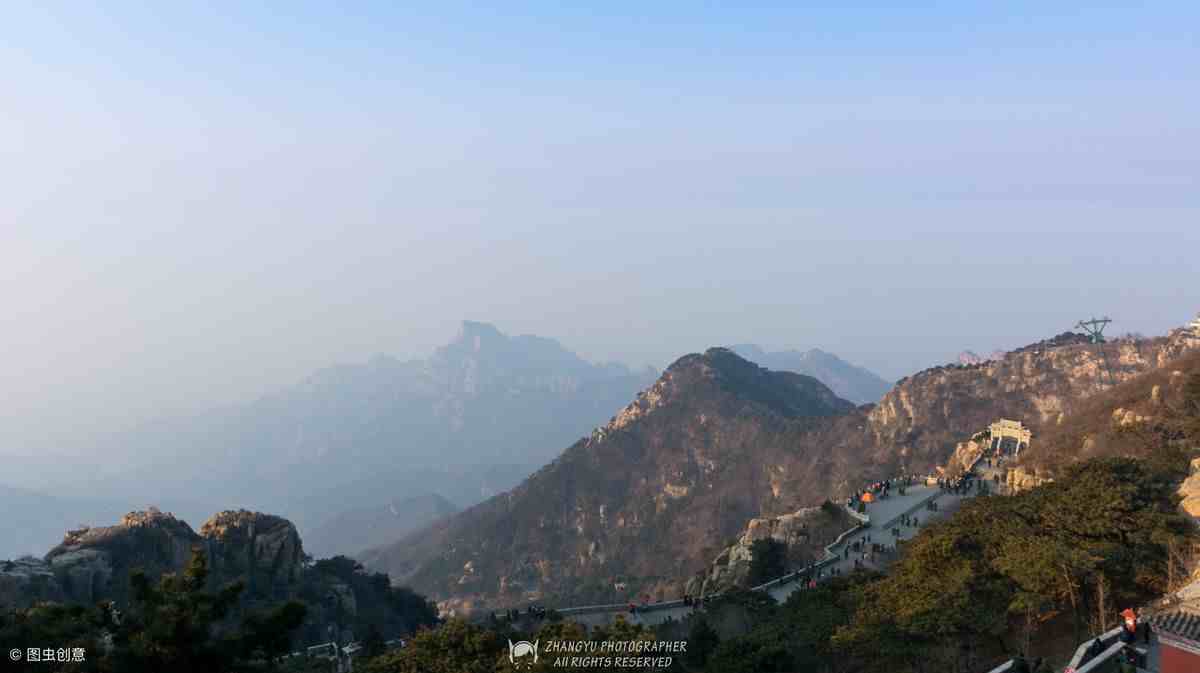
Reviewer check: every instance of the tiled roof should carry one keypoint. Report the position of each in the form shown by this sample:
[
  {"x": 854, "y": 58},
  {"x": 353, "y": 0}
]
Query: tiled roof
[{"x": 1182, "y": 623}]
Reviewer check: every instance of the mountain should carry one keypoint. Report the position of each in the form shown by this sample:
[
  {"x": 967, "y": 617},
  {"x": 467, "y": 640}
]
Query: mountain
[
  {"x": 688, "y": 462},
  {"x": 651, "y": 497},
  {"x": 262, "y": 551},
  {"x": 356, "y": 530},
  {"x": 848, "y": 381},
  {"x": 470, "y": 421}
]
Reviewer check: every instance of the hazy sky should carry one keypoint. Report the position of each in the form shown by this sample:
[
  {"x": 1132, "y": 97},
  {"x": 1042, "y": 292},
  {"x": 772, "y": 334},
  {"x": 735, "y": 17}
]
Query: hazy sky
[{"x": 198, "y": 204}]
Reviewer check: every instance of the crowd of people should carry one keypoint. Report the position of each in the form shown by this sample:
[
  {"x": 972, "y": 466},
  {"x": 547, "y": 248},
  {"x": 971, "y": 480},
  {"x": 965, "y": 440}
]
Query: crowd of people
[
  {"x": 880, "y": 490},
  {"x": 533, "y": 611},
  {"x": 958, "y": 486}
]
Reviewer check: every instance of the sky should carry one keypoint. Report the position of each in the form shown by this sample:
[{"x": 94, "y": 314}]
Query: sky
[{"x": 200, "y": 203}]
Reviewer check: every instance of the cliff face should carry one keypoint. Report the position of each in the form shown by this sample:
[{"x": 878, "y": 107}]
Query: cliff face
[{"x": 651, "y": 497}]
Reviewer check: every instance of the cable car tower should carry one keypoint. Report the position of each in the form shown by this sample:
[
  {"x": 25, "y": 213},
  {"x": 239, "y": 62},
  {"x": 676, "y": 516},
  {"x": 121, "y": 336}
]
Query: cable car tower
[{"x": 1094, "y": 329}]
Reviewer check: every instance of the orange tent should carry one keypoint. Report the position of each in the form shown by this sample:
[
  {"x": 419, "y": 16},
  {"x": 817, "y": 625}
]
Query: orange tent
[{"x": 868, "y": 497}]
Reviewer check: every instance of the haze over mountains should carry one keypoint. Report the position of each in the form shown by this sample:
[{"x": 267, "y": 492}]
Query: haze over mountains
[
  {"x": 335, "y": 451},
  {"x": 470, "y": 421},
  {"x": 357, "y": 530}
]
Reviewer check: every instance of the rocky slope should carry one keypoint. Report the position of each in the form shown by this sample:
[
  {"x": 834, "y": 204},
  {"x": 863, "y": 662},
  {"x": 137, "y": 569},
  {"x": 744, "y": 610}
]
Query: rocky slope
[
  {"x": 651, "y": 497},
  {"x": 847, "y": 381},
  {"x": 1157, "y": 408}
]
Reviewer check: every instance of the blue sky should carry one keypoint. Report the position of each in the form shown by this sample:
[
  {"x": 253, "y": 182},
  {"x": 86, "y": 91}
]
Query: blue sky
[{"x": 204, "y": 202}]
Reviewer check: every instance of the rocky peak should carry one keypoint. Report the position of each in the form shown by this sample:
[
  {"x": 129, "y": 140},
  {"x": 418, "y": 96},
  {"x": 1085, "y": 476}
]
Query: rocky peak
[
  {"x": 786, "y": 393},
  {"x": 233, "y": 525},
  {"x": 263, "y": 548},
  {"x": 94, "y": 562},
  {"x": 150, "y": 519},
  {"x": 698, "y": 380},
  {"x": 476, "y": 336}
]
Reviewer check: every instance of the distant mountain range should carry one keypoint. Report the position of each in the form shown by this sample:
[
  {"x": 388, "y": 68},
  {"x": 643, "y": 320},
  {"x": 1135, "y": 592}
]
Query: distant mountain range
[
  {"x": 850, "y": 382},
  {"x": 466, "y": 423}
]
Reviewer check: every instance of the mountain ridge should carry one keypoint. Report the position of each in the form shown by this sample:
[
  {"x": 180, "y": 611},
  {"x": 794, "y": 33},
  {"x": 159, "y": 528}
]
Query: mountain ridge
[
  {"x": 646, "y": 499},
  {"x": 849, "y": 381}
]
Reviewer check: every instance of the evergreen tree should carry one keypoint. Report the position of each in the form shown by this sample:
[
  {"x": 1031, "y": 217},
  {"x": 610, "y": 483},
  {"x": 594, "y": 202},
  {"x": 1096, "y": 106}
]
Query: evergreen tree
[
  {"x": 702, "y": 642},
  {"x": 768, "y": 560}
]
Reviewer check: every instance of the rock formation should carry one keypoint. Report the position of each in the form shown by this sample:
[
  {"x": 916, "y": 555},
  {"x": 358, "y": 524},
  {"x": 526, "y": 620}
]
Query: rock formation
[
  {"x": 93, "y": 564},
  {"x": 1190, "y": 491},
  {"x": 806, "y": 532},
  {"x": 262, "y": 548}
]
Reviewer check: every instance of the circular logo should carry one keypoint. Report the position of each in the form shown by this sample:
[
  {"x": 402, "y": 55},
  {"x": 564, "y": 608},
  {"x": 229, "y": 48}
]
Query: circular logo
[
  {"x": 523, "y": 654},
  {"x": 14, "y": 654}
]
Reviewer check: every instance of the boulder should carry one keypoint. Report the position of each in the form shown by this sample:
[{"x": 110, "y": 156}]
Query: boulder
[{"x": 1190, "y": 490}]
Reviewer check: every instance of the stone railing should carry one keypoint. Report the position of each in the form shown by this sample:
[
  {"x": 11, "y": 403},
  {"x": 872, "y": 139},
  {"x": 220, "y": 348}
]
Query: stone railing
[
  {"x": 1081, "y": 662},
  {"x": 856, "y": 514}
]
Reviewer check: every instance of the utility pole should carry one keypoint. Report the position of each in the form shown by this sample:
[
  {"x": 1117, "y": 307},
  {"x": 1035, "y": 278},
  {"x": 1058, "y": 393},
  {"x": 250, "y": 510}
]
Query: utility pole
[{"x": 1094, "y": 328}]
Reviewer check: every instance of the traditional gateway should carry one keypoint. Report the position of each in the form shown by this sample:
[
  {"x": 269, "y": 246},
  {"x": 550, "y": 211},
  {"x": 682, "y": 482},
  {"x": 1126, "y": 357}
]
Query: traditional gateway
[{"x": 1014, "y": 431}]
